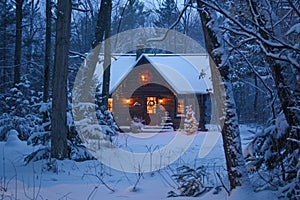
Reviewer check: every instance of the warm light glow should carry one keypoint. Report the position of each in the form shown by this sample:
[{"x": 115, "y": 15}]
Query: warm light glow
[
  {"x": 161, "y": 101},
  {"x": 128, "y": 101},
  {"x": 151, "y": 105},
  {"x": 145, "y": 77},
  {"x": 180, "y": 107},
  {"x": 110, "y": 104}
]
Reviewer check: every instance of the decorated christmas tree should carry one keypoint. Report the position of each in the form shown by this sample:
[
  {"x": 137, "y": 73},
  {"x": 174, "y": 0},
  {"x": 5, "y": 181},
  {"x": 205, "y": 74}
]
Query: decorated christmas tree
[{"x": 190, "y": 122}]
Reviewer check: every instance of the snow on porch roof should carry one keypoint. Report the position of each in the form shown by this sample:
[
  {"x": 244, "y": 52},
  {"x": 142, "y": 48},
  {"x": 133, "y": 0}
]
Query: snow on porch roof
[{"x": 182, "y": 72}]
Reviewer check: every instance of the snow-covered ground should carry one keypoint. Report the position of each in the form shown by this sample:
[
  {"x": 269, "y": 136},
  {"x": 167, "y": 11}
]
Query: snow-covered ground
[{"x": 93, "y": 180}]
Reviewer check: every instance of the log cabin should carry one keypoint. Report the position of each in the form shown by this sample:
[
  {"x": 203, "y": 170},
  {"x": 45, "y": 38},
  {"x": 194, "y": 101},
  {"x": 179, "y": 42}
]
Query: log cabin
[{"x": 155, "y": 89}]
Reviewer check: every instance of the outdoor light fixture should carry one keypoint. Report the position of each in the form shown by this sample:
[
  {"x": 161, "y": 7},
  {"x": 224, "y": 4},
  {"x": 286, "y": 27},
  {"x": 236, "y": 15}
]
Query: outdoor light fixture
[{"x": 128, "y": 101}]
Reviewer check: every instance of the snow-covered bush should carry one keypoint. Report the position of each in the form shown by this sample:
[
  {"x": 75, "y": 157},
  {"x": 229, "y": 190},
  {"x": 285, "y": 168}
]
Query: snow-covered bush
[
  {"x": 78, "y": 152},
  {"x": 192, "y": 182},
  {"x": 292, "y": 189},
  {"x": 270, "y": 145},
  {"x": 12, "y": 138},
  {"x": 5, "y": 125},
  {"x": 41, "y": 153},
  {"x": 92, "y": 119},
  {"x": 41, "y": 139},
  {"x": 91, "y": 123},
  {"x": 136, "y": 125},
  {"x": 20, "y": 110},
  {"x": 105, "y": 118},
  {"x": 276, "y": 151},
  {"x": 90, "y": 114}
]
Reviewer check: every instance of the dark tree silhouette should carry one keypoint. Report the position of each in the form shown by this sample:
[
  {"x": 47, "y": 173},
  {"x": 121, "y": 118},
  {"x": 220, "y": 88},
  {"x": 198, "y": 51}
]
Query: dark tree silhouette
[{"x": 59, "y": 101}]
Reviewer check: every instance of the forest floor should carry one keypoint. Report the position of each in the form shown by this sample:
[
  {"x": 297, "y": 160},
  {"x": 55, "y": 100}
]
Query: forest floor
[{"x": 68, "y": 179}]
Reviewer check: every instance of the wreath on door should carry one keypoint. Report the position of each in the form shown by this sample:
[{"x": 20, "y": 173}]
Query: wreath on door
[{"x": 151, "y": 102}]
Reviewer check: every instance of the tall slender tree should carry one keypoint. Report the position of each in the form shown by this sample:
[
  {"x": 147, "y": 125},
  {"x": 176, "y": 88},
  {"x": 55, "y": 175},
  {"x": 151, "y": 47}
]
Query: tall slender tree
[
  {"x": 60, "y": 72},
  {"x": 47, "y": 52},
  {"x": 107, "y": 57},
  {"x": 102, "y": 32},
  {"x": 288, "y": 92},
  {"x": 103, "y": 21},
  {"x": 263, "y": 22},
  {"x": 236, "y": 167},
  {"x": 282, "y": 57},
  {"x": 18, "y": 43}
]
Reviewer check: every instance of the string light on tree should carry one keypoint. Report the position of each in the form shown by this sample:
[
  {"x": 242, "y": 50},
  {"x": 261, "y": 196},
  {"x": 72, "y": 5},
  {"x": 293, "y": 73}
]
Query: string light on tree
[{"x": 190, "y": 122}]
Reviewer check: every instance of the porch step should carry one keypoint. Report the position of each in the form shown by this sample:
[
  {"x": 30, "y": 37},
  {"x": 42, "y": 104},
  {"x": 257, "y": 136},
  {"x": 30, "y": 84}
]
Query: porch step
[{"x": 156, "y": 129}]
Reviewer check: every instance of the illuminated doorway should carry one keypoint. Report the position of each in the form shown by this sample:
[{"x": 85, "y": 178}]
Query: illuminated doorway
[
  {"x": 151, "y": 111},
  {"x": 151, "y": 105}
]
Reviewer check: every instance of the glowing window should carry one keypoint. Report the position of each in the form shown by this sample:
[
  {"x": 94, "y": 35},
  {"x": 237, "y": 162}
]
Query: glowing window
[
  {"x": 180, "y": 107},
  {"x": 145, "y": 77},
  {"x": 110, "y": 104}
]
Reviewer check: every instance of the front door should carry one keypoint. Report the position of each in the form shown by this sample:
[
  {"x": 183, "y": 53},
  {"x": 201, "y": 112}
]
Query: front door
[{"x": 152, "y": 107}]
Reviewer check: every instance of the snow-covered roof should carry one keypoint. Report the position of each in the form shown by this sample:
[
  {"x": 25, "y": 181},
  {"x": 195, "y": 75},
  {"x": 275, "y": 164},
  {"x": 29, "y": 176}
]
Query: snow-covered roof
[{"x": 182, "y": 72}]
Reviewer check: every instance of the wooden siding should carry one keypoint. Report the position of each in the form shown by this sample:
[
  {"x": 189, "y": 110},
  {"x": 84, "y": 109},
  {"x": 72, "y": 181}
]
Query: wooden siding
[{"x": 129, "y": 99}]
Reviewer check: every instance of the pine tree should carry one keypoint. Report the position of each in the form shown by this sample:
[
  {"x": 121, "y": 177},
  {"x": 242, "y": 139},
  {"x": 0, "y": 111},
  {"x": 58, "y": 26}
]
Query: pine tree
[
  {"x": 130, "y": 16},
  {"x": 167, "y": 14},
  {"x": 190, "y": 122}
]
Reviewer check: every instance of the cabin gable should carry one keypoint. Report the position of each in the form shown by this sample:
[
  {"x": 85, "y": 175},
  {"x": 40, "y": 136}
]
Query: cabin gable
[
  {"x": 132, "y": 96},
  {"x": 153, "y": 87}
]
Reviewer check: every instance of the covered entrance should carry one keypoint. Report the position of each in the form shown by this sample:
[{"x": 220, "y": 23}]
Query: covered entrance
[
  {"x": 155, "y": 111},
  {"x": 150, "y": 107},
  {"x": 152, "y": 111}
]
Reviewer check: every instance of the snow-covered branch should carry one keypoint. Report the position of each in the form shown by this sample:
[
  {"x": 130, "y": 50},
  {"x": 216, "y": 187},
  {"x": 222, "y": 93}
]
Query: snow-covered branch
[
  {"x": 249, "y": 64},
  {"x": 295, "y": 9},
  {"x": 80, "y": 55},
  {"x": 272, "y": 46}
]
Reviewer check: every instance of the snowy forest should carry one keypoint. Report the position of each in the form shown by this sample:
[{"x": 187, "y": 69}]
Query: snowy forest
[{"x": 254, "y": 53}]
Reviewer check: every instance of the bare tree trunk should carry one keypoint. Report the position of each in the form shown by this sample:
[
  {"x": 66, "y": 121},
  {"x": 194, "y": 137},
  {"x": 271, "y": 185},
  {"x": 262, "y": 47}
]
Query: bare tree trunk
[
  {"x": 107, "y": 56},
  {"x": 18, "y": 44},
  {"x": 236, "y": 168},
  {"x": 103, "y": 22},
  {"x": 289, "y": 98},
  {"x": 103, "y": 14},
  {"x": 31, "y": 35},
  {"x": 47, "y": 52},
  {"x": 59, "y": 102}
]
